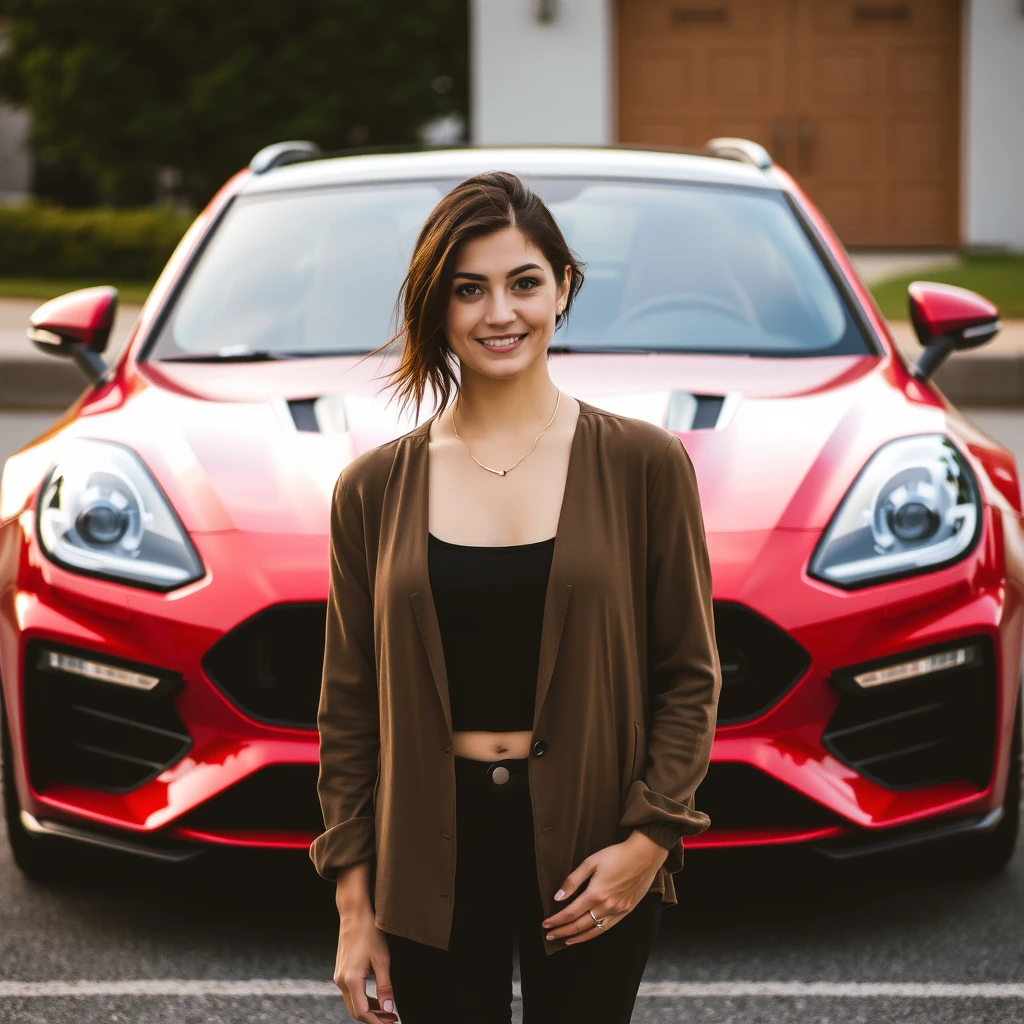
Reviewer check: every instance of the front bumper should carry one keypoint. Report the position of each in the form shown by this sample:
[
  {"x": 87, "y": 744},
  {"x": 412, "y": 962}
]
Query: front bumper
[{"x": 247, "y": 777}]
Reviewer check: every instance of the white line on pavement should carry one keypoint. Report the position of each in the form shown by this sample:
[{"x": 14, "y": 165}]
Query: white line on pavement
[{"x": 288, "y": 987}]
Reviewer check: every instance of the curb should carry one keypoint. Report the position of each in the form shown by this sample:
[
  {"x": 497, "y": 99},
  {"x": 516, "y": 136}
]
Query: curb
[
  {"x": 975, "y": 378},
  {"x": 982, "y": 380},
  {"x": 33, "y": 384}
]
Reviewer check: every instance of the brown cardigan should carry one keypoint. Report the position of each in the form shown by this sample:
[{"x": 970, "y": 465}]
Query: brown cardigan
[{"x": 627, "y": 688}]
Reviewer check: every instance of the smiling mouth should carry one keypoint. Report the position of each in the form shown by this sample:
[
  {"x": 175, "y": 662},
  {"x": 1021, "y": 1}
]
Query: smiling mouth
[{"x": 503, "y": 342}]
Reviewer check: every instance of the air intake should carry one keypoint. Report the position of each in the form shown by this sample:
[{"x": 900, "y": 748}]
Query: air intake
[
  {"x": 760, "y": 662},
  {"x": 271, "y": 665},
  {"x": 97, "y": 733},
  {"x": 921, "y": 731}
]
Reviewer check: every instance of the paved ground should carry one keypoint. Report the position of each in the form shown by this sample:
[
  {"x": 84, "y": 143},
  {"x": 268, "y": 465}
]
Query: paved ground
[
  {"x": 874, "y": 266},
  {"x": 14, "y": 314},
  {"x": 753, "y": 939}
]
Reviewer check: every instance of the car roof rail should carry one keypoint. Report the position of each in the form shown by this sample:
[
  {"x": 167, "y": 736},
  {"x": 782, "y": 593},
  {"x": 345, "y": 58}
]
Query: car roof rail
[
  {"x": 281, "y": 153},
  {"x": 740, "y": 149}
]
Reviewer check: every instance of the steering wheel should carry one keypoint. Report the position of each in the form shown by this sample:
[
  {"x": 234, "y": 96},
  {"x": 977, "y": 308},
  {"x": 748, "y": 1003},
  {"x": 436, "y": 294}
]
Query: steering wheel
[{"x": 681, "y": 300}]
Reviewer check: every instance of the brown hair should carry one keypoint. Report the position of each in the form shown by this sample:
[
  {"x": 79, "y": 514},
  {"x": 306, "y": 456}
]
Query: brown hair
[{"x": 476, "y": 207}]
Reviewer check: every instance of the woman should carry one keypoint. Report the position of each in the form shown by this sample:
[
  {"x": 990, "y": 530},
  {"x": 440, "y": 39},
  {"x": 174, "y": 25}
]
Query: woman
[{"x": 520, "y": 675}]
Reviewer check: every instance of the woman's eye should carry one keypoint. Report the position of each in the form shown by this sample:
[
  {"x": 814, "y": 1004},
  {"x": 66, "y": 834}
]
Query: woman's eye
[
  {"x": 532, "y": 281},
  {"x": 461, "y": 289}
]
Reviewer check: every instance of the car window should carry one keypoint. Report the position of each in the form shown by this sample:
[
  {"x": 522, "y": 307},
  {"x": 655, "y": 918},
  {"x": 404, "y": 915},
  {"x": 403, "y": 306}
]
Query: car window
[
  {"x": 669, "y": 267},
  {"x": 697, "y": 268}
]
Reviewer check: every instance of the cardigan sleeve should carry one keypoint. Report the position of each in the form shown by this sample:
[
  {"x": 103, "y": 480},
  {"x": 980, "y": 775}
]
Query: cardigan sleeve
[
  {"x": 684, "y": 672},
  {"x": 348, "y": 717}
]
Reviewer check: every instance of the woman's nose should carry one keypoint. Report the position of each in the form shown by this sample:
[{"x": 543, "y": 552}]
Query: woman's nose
[{"x": 499, "y": 309}]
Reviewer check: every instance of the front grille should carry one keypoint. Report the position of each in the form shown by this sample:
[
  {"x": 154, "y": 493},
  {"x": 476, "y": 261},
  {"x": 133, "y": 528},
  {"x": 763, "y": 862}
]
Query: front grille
[
  {"x": 280, "y": 797},
  {"x": 96, "y": 734},
  {"x": 271, "y": 665},
  {"x": 921, "y": 731},
  {"x": 760, "y": 662},
  {"x": 284, "y": 798},
  {"x": 738, "y": 795}
]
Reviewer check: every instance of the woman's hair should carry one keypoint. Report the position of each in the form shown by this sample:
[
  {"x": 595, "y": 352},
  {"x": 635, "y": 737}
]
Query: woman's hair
[{"x": 478, "y": 206}]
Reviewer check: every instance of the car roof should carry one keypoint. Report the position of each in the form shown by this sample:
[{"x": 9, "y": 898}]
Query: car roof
[{"x": 553, "y": 161}]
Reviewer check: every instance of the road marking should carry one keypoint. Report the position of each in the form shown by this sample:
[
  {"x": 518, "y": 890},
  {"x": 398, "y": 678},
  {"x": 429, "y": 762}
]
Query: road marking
[{"x": 294, "y": 987}]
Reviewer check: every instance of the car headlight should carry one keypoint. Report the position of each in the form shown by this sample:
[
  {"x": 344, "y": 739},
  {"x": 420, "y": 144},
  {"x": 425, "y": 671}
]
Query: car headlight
[
  {"x": 913, "y": 508},
  {"x": 103, "y": 514}
]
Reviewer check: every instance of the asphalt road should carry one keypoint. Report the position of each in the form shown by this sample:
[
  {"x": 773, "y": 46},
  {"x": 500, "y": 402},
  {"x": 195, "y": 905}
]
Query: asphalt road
[{"x": 755, "y": 938}]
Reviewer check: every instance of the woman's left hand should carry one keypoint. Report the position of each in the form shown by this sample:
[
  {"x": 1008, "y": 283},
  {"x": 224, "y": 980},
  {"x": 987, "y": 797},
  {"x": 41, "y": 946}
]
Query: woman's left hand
[{"x": 620, "y": 876}]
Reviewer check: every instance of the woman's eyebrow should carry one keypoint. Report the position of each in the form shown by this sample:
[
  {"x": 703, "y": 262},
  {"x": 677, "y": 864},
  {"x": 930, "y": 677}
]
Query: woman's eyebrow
[{"x": 511, "y": 273}]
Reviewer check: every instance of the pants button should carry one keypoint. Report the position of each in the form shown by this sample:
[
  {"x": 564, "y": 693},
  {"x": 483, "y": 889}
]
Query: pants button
[{"x": 500, "y": 774}]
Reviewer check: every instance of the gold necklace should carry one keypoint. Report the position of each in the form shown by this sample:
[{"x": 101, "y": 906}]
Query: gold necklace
[{"x": 502, "y": 472}]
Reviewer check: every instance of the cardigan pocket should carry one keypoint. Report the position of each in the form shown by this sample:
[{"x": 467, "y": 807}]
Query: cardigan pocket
[
  {"x": 636, "y": 771},
  {"x": 632, "y": 766}
]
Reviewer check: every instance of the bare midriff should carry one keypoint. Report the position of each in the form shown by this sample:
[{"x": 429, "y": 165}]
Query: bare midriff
[{"x": 492, "y": 746}]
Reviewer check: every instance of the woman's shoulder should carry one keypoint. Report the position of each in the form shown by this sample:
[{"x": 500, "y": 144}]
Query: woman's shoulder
[
  {"x": 630, "y": 436},
  {"x": 367, "y": 473}
]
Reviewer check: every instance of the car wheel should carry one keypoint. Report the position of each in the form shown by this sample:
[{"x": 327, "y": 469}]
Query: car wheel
[
  {"x": 43, "y": 858},
  {"x": 987, "y": 854}
]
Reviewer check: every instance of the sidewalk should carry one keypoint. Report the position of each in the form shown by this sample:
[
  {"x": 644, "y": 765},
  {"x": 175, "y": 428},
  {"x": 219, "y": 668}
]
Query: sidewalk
[
  {"x": 29, "y": 379},
  {"x": 992, "y": 374}
]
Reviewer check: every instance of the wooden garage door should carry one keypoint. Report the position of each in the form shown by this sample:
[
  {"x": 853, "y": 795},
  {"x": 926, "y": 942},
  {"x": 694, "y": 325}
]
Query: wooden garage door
[{"x": 859, "y": 100}]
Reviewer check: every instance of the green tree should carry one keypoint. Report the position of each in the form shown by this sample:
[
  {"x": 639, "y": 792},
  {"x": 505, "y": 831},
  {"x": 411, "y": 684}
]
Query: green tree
[{"x": 125, "y": 88}]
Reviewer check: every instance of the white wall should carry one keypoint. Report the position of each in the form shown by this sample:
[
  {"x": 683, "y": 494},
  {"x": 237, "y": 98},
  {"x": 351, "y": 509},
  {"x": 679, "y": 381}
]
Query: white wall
[
  {"x": 993, "y": 123},
  {"x": 15, "y": 162},
  {"x": 541, "y": 82}
]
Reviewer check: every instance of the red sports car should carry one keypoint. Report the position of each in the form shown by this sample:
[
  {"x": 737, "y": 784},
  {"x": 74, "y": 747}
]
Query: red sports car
[{"x": 164, "y": 546}]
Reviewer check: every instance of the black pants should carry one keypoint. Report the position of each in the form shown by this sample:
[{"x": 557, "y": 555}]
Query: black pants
[{"x": 496, "y": 900}]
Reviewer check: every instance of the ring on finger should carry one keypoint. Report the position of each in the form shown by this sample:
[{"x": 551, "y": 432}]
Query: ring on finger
[{"x": 598, "y": 923}]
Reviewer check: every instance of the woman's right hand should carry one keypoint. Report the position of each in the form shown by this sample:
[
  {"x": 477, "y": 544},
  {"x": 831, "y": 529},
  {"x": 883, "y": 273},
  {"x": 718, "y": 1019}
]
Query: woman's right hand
[{"x": 361, "y": 946}]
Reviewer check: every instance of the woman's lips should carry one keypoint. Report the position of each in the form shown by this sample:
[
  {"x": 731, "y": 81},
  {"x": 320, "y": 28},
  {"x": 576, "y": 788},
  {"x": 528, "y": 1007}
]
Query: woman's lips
[{"x": 504, "y": 346}]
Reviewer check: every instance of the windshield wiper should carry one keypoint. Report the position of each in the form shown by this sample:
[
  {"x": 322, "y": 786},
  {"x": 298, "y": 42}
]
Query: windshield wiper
[
  {"x": 618, "y": 350},
  {"x": 235, "y": 355}
]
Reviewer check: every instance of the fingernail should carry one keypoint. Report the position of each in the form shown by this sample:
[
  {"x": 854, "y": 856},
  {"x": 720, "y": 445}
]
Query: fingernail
[
  {"x": 549, "y": 936},
  {"x": 560, "y": 895},
  {"x": 389, "y": 1005}
]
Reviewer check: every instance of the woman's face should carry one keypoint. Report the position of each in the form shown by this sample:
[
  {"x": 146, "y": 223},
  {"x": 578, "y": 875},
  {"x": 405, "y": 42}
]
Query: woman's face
[{"x": 502, "y": 304}]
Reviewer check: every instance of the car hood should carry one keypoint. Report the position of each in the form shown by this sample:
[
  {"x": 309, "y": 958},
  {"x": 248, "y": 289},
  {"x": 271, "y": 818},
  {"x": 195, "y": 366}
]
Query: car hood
[{"x": 258, "y": 447}]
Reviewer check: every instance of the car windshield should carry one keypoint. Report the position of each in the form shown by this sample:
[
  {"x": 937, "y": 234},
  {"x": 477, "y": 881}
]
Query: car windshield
[{"x": 669, "y": 267}]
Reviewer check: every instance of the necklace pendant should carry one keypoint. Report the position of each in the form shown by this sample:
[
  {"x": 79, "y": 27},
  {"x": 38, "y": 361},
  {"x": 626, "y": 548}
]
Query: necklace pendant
[{"x": 502, "y": 472}]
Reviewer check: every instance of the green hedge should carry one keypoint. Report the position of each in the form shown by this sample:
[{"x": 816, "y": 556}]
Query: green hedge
[{"x": 43, "y": 240}]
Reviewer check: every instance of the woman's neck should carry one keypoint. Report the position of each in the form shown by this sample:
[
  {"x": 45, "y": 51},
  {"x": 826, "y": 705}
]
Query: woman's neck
[{"x": 497, "y": 409}]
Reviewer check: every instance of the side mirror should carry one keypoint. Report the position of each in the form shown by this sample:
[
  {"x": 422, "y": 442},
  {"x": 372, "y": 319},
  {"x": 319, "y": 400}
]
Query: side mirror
[
  {"x": 947, "y": 318},
  {"x": 77, "y": 324}
]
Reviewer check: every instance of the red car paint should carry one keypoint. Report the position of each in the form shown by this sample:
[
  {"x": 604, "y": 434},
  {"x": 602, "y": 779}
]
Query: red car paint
[{"x": 256, "y": 510}]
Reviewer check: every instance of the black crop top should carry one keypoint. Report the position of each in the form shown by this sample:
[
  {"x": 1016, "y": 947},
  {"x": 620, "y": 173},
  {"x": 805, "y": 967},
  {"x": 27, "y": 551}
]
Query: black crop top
[{"x": 490, "y": 604}]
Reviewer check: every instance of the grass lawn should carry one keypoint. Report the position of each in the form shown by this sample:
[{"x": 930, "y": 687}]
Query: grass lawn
[
  {"x": 999, "y": 278},
  {"x": 43, "y": 289}
]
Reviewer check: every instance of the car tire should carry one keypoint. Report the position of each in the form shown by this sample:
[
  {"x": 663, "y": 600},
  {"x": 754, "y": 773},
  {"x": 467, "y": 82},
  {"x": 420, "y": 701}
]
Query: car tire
[
  {"x": 987, "y": 854},
  {"x": 41, "y": 858}
]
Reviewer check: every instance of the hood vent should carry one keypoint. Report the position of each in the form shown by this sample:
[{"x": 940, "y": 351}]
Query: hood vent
[
  {"x": 322, "y": 415},
  {"x": 689, "y": 411},
  {"x": 685, "y": 410},
  {"x": 304, "y": 414}
]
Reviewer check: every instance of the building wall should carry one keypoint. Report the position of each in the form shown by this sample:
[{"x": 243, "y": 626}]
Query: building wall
[
  {"x": 993, "y": 127},
  {"x": 541, "y": 82},
  {"x": 564, "y": 91},
  {"x": 15, "y": 162}
]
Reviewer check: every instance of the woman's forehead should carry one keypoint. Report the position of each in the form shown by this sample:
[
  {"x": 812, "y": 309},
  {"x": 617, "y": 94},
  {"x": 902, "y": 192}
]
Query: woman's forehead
[{"x": 499, "y": 252}]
